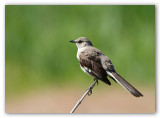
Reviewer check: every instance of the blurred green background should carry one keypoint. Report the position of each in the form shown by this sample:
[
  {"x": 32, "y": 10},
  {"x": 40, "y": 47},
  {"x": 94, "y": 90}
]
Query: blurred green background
[{"x": 38, "y": 52}]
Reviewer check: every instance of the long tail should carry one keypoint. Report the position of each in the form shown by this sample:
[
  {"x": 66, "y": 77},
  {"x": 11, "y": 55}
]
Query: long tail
[{"x": 125, "y": 84}]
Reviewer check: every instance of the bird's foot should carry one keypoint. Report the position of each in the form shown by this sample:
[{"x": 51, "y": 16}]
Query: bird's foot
[
  {"x": 90, "y": 91},
  {"x": 91, "y": 87}
]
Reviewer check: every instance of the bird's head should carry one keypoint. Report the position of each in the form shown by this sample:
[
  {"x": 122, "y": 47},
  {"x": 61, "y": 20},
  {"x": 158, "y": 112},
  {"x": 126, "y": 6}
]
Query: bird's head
[{"x": 82, "y": 42}]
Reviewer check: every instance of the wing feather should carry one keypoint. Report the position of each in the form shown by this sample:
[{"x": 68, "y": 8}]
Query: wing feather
[{"x": 90, "y": 58}]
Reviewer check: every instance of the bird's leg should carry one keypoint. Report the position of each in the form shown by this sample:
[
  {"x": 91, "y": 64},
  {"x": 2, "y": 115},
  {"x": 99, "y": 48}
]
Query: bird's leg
[
  {"x": 91, "y": 87},
  {"x": 97, "y": 80}
]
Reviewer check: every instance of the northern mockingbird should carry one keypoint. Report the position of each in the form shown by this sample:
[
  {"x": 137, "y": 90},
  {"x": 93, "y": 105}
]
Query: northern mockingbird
[{"x": 95, "y": 63}]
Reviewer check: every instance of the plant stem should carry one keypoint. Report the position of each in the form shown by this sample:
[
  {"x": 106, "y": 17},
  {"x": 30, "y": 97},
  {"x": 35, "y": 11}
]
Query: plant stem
[{"x": 87, "y": 92}]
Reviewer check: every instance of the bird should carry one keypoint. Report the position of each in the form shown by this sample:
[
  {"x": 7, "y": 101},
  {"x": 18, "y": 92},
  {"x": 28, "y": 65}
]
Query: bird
[{"x": 96, "y": 64}]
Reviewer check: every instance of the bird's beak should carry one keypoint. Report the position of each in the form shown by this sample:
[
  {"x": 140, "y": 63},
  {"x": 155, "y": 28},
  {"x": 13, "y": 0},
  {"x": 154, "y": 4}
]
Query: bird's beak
[{"x": 72, "y": 41}]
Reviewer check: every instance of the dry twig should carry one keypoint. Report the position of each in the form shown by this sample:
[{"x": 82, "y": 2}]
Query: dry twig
[{"x": 88, "y": 91}]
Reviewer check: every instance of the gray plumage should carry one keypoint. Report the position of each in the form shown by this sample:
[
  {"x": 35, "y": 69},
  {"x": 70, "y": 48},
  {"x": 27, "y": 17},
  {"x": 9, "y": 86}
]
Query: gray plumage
[{"x": 95, "y": 63}]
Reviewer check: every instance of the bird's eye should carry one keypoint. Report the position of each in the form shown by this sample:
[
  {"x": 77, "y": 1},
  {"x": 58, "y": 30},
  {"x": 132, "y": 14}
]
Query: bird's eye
[{"x": 80, "y": 41}]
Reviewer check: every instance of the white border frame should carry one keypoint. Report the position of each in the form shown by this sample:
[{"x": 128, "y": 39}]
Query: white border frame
[{"x": 74, "y": 2}]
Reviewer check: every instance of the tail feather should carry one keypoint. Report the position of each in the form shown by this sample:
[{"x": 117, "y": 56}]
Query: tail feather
[{"x": 125, "y": 84}]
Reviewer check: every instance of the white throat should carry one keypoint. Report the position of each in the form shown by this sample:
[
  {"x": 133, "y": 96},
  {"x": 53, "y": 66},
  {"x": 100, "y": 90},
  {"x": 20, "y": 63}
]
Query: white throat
[{"x": 80, "y": 50}]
